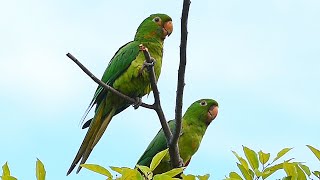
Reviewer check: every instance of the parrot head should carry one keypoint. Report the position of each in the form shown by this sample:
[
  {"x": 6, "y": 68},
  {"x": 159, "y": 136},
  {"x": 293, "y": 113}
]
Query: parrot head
[
  {"x": 206, "y": 110},
  {"x": 155, "y": 27}
]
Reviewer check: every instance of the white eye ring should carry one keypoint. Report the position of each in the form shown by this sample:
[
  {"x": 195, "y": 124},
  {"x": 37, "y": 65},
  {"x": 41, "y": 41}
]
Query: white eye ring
[
  {"x": 156, "y": 19},
  {"x": 203, "y": 103}
]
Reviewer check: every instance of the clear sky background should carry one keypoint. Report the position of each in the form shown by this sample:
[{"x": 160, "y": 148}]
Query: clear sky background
[{"x": 258, "y": 59}]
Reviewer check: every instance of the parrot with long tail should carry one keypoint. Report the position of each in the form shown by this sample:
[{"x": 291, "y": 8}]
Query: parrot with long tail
[{"x": 126, "y": 73}]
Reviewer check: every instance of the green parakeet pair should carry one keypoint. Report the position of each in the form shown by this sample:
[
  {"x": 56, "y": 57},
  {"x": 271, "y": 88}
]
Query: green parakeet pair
[
  {"x": 126, "y": 73},
  {"x": 194, "y": 125}
]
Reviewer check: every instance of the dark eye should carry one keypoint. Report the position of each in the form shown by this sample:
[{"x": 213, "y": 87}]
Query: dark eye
[
  {"x": 156, "y": 19},
  {"x": 203, "y": 103}
]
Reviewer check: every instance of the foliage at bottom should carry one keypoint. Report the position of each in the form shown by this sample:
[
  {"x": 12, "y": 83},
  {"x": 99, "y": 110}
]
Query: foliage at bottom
[{"x": 255, "y": 165}]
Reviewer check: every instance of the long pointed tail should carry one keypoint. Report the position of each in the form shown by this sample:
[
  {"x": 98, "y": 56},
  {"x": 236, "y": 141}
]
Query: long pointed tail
[{"x": 97, "y": 127}]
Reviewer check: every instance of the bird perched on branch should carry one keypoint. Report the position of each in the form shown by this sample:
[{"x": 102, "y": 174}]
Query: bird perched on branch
[
  {"x": 125, "y": 73},
  {"x": 195, "y": 122}
]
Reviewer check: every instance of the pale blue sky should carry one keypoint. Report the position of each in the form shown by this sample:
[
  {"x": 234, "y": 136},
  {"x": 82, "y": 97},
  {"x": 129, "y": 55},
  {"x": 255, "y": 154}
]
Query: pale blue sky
[{"x": 258, "y": 59}]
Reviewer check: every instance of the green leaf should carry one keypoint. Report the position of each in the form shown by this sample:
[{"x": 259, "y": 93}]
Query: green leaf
[
  {"x": 128, "y": 173},
  {"x": 290, "y": 169},
  {"x": 162, "y": 177},
  {"x": 251, "y": 173},
  {"x": 244, "y": 172},
  {"x": 146, "y": 171},
  {"x": 270, "y": 170},
  {"x": 316, "y": 173},
  {"x": 98, "y": 169},
  {"x": 305, "y": 169},
  {"x": 40, "y": 170},
  {"x": 241, "y": 160},
  {"x": 257, "y": 173},
  {"x": 315, "y": 151},
  {"x": 8, "y": 178},
  {"x": 300, "y": 172},
  {"x": 174, "y": 172},
  {"x": 281, "y": 153},
  {"x": 263, "y": 157},
  {"x": 188, "y": 177},
  {"x": 204, "y": 177},
  {"x": 157, "y": 159},
  {"x": 6, "y": 173},
  {"x": 287, "y": 178},
  {"x": 251, "y": 157},
  {"x": 143, "y": 168},
  {"x": 5, "y": 170},
  {"x": 234, "y": 175},
  {"x": 116, "y": 169}
]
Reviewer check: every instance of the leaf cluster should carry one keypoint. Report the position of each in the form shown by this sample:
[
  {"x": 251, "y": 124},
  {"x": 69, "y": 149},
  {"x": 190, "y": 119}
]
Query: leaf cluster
[
  {"x": 40, "y": 171},
  {"x": 253, "y": 166},
  {"x": 144, "y": 172},
  {"x": 258, "y": 165}
]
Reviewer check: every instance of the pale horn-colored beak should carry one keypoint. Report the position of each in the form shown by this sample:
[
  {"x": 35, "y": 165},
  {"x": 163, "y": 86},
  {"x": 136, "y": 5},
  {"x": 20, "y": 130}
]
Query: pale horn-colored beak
[
  {"x": 167, "y": 28},
  {"x": 212, "y": 114}
]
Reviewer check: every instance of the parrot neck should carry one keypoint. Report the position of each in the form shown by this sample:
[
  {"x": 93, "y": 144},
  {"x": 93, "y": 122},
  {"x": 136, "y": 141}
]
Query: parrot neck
[
  {"x": 153, "y": 42},
  {"x": 194, "y": 124},
  {"x": 147, "y": 38},
  {"x": 154, "y": 48},
  {"x": 190, "y": 140}
]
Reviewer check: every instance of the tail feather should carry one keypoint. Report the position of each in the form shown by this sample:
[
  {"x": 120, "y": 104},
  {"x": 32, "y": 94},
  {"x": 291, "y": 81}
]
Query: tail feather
[
  {"x": 87, "y": 124},
  {"x": 82, "y": 148},
  {"x": 87, "y": 150},
  {"x": 103, "y": 127},
  {"x": 95, "y": 138},
  {"x": 91, "y": 139},
  {"x": 92, "y": 103}
]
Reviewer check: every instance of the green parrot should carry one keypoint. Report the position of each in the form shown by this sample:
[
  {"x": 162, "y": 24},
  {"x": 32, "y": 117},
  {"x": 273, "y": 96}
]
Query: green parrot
[
  {"x": 126, "y": 73},
  {"x": 194, "y": 124}
]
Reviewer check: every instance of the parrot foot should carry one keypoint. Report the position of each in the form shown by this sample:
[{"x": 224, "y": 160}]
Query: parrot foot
[
  {"x": 143, "y": 48},
  {"x": 138, "y": 102},
  {"x": 147, "y": 65},
  {"x": 181, "y": 164}
]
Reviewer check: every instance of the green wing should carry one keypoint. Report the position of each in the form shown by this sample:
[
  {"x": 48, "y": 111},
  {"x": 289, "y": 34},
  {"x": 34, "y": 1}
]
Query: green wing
[
  {"x": 116, "y": 67},
  {"x": 158, "y": 144}
]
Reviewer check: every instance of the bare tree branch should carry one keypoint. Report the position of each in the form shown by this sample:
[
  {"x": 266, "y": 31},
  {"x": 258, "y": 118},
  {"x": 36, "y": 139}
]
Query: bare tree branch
[
  {"x": 109, "y": 88},
  {"x": 156, "y": 106},
  {"x": 173, "y": 146}
]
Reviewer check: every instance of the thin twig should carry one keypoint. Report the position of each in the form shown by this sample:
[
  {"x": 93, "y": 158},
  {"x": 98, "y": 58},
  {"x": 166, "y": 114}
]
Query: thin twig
[
  {"x": 157, "y": 105},
  {"x": 109, "y": 88},
  {"x": 173, "y": 146}
]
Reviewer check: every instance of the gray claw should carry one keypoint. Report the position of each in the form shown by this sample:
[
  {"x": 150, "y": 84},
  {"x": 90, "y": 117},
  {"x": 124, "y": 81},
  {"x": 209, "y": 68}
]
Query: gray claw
[
  {"x": 181, "y": 164},
  {"x": 138, "y": 102},
  {"x": 149, "y": 64}
]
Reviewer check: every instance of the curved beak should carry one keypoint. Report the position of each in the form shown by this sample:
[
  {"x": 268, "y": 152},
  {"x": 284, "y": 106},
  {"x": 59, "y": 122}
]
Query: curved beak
[
  {"x": 167, "y": 28},
  {"x": 212, "y": 114}
]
